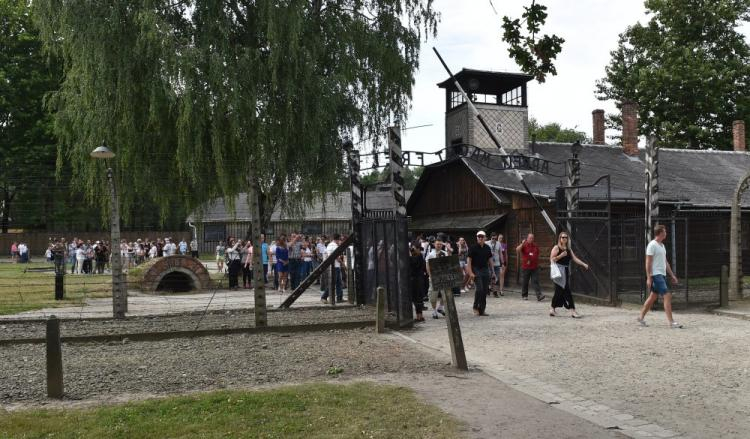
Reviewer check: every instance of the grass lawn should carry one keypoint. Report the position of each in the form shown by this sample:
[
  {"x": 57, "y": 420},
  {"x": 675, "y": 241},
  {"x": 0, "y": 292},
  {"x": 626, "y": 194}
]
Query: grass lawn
[
  {"x": 24, "y": 291},
  {"x": 361, "y": 410}
]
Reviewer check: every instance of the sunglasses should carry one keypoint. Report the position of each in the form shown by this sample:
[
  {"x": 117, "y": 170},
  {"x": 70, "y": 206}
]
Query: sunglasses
[
  {"x": 481, "y": 237},
  {"x": 563, "y": 237}
]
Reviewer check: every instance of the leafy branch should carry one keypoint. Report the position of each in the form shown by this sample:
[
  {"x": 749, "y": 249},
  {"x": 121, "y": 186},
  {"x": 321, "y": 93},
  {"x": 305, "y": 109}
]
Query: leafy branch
[{"x": 534, "y": 56}]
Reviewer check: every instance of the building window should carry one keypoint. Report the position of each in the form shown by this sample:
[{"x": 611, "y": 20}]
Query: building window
[
  {"x": 513, "y": 97},
  {"x": 315, "y": 228},
  {"x": 214, "y": 232}
]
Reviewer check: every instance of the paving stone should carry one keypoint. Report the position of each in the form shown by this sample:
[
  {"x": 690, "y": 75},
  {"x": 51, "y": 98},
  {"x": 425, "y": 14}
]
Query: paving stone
[
  {"x": 636, "y": 422},
  {"x": 641, "y": 433},
  {"x": 666, "y": 434},
  {"x": 623, "y": 417},
  {"x": 599, "y": 407}
]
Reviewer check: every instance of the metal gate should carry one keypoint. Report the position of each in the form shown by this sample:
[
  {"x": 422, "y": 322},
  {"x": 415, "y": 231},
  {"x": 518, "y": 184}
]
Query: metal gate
[
  {"x": 589, "y": 226},
  {"x": 385, "y": 263}
]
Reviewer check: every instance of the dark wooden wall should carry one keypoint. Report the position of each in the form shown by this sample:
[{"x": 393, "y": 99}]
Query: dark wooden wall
[{"x": 453, "y": 189}]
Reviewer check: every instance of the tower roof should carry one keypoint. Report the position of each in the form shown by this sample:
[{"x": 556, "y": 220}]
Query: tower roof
[{"x": 486, "y": 82}]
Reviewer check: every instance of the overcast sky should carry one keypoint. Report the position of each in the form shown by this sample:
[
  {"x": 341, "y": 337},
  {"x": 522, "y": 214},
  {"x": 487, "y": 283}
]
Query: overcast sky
[{"x": 469, "y": 35}]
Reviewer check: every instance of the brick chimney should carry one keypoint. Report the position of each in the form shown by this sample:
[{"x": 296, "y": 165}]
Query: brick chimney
[
  {"x": 738, "y": 135},
  {"x": 630, "y": 128},
  {"x": 598, "y": 119}
]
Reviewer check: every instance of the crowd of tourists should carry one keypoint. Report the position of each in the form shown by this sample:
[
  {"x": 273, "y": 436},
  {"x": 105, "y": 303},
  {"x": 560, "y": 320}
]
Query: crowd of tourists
[
  {"x": 287, "y": 261},
  {"x": 94, "y": 256},
  {"x": 484, "y": 266}
]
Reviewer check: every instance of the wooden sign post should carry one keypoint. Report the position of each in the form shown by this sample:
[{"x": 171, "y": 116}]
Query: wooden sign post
[{"x": 446, "y": 275}]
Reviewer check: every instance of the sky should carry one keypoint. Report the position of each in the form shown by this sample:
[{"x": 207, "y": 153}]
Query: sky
[{"x": 469, "y": 35}]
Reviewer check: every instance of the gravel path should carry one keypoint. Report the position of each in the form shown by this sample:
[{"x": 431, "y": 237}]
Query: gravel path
[
  {"x": 694, "y": 380},
  {"x": 110, "y": 370},
  {"x": 226, "y": 319}
]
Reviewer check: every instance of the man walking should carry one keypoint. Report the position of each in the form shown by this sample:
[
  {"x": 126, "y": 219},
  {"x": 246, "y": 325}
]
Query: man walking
[
  {"x": 479, "y": 264},
  {"x": 295, "y": 259},
  {"x": 497, "y": 263},
  {"x": 657, "y": 269},
  {"x": 530, "y": 267}
]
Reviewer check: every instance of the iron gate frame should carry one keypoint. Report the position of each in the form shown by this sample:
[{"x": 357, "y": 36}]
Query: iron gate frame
[{"x": 567, "y": 220}]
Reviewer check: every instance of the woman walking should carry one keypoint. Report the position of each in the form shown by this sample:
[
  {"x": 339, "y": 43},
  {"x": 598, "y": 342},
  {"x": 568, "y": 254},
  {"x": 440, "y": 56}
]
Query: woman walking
[
  {"x": 282, "y": 263},
  {"x": 247, "y": 265},
  {"x": 561, "y": 256}
]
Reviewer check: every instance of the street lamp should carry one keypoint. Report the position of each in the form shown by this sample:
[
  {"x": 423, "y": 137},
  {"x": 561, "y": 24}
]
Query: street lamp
[{"x": 119, "y": 288}]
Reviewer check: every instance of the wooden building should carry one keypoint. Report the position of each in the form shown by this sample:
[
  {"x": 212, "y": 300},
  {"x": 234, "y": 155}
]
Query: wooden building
[
  {"x": 215, "y": 221},
  {"x": 475, "y": 188}
]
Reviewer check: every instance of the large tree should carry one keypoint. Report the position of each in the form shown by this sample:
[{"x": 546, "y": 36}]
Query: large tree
[
  {"x": 688, "y": 68},
  {"x": 199, "y": 98},
  {"x": 27, "y": 150}
]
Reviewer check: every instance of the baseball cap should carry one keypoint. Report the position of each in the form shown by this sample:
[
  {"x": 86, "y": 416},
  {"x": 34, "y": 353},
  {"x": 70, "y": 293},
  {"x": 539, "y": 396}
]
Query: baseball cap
[{"x": 481, "y": 233}]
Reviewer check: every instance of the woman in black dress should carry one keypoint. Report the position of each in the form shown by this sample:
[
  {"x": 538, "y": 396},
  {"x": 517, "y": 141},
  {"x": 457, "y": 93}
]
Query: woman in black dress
[
  {"x": 561, "y": 255},
  {"x": 417, "y": 270}
]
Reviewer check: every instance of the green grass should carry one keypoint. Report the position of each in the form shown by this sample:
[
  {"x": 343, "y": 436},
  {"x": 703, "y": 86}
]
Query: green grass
[
  {"x": 25, "y": 291},
  {"x": 361, "y": 410}
]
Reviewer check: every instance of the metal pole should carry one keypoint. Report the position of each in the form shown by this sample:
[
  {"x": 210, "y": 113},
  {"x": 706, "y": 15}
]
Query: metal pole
[{"x": 119, "y": 288}]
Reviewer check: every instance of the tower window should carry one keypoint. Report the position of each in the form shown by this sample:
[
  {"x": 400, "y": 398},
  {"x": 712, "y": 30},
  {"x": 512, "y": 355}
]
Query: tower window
[{"x": 513, "y": 97}]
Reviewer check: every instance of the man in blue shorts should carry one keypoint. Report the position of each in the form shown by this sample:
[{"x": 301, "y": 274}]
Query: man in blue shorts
[{"x": 657, "y": 269}]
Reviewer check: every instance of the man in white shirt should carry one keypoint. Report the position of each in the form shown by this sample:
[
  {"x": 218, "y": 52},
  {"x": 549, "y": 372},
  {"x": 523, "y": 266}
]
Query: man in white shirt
[
  {"x": 332, "y": 246},
  {"x": 657, "y": 269}
]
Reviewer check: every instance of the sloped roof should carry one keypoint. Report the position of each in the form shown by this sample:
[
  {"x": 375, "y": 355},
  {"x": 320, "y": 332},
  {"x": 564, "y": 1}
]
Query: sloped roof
[
  {"x": 335, "y": 206},
  {"x": 694, "y": 177}
]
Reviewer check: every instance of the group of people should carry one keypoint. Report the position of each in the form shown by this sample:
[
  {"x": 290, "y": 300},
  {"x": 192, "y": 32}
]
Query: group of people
[
  {"x": 289, "y": 259},
  {"x": 87, "y": 257},
  {"x": 19, "y": 252},
  {"x": 484, "y": 265}
]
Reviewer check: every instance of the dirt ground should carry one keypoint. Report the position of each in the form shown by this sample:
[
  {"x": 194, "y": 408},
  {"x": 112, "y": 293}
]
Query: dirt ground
[
  {"x": 107, "y": 373},
  {"x": 694, "y": 380}
]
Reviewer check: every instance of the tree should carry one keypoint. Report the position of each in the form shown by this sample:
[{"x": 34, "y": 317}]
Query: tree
[
  {"x": 553, "y": 132},
  {"x": 27, "y": 151},
  {"x": 535, "y": 56},
  {"x": 201, "y": 98},
  {"x": 688, "y": 68}
]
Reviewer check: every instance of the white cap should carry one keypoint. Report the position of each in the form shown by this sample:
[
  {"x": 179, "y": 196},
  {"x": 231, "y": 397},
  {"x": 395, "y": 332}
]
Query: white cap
[{"x": 481, "y": 232}]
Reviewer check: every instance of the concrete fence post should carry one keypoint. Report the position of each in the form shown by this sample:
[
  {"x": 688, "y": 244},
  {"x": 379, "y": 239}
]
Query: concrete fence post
[
  {"x": 54, "y": 359},
  {"x": 724, "y": 287}
]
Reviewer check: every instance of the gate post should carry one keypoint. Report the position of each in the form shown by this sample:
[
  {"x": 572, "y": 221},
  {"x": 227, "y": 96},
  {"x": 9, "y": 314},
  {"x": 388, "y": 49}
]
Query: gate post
[
  {"x": 352, "y": 157},
  {"x": 735, "y": 241}
]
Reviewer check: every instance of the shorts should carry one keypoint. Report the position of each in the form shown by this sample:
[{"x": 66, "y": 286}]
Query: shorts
[
  {"x": 659, "y": 284},
  {"x": 462, "y": 264}
]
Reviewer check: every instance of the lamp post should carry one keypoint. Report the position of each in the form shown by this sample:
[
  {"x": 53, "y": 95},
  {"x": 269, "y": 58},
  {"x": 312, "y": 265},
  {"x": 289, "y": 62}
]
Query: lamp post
[{"x": 119, "y": 289}]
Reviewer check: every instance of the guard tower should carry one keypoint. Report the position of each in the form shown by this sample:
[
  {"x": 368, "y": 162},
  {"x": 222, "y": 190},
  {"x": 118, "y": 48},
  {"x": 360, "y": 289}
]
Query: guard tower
[{"x": 501, "y": 100}]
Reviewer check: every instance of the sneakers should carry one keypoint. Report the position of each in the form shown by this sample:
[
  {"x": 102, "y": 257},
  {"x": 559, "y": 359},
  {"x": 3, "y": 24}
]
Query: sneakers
[
  {"x": 524, "y": 297},
  {"x": 540, "y": 298},
  {"x": 641, "y": 322},
  {"x": 675, "y": 325},
  {"x": 441, "y": 311},
  {"x": 494, "y": 293},
  {"x": 463, "y": 291},
  {"x": 434, "y": 315},
  {"x": 324, "y": 301}
]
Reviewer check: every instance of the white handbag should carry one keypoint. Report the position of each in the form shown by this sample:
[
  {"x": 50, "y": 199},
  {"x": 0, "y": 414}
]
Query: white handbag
[{"x": 554, "y": 272}]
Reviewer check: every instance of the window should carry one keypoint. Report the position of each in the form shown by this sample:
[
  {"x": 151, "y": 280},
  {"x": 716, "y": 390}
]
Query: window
[
  {"x": 214, "y": 232},
  {"x": 513, "y": 97},
  {"x": 315, "y": 228}
]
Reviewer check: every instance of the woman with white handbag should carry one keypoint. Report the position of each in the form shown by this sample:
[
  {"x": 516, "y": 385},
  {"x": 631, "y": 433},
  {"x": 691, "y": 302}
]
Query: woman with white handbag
[{"x": 559, "y": 259}]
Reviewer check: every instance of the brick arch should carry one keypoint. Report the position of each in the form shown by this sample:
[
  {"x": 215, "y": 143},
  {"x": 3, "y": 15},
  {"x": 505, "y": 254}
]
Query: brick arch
[{"x": 154, "y": 271}]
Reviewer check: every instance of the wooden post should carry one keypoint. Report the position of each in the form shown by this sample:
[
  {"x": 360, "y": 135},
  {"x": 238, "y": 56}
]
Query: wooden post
[
  {"x": 380, "y": 325},
  {"x": 724, "y": 287},
  {"x": 458, "y": 355},
  {"x": 54, "y": 359}
]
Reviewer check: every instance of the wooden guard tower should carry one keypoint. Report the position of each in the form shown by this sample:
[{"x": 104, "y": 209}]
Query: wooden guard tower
[{"x": 501, "y": 100}]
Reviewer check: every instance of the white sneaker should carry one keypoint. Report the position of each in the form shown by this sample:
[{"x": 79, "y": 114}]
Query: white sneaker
[
  {"x": 676, "y": 325},
  {"x": 641, "y": 321}
]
